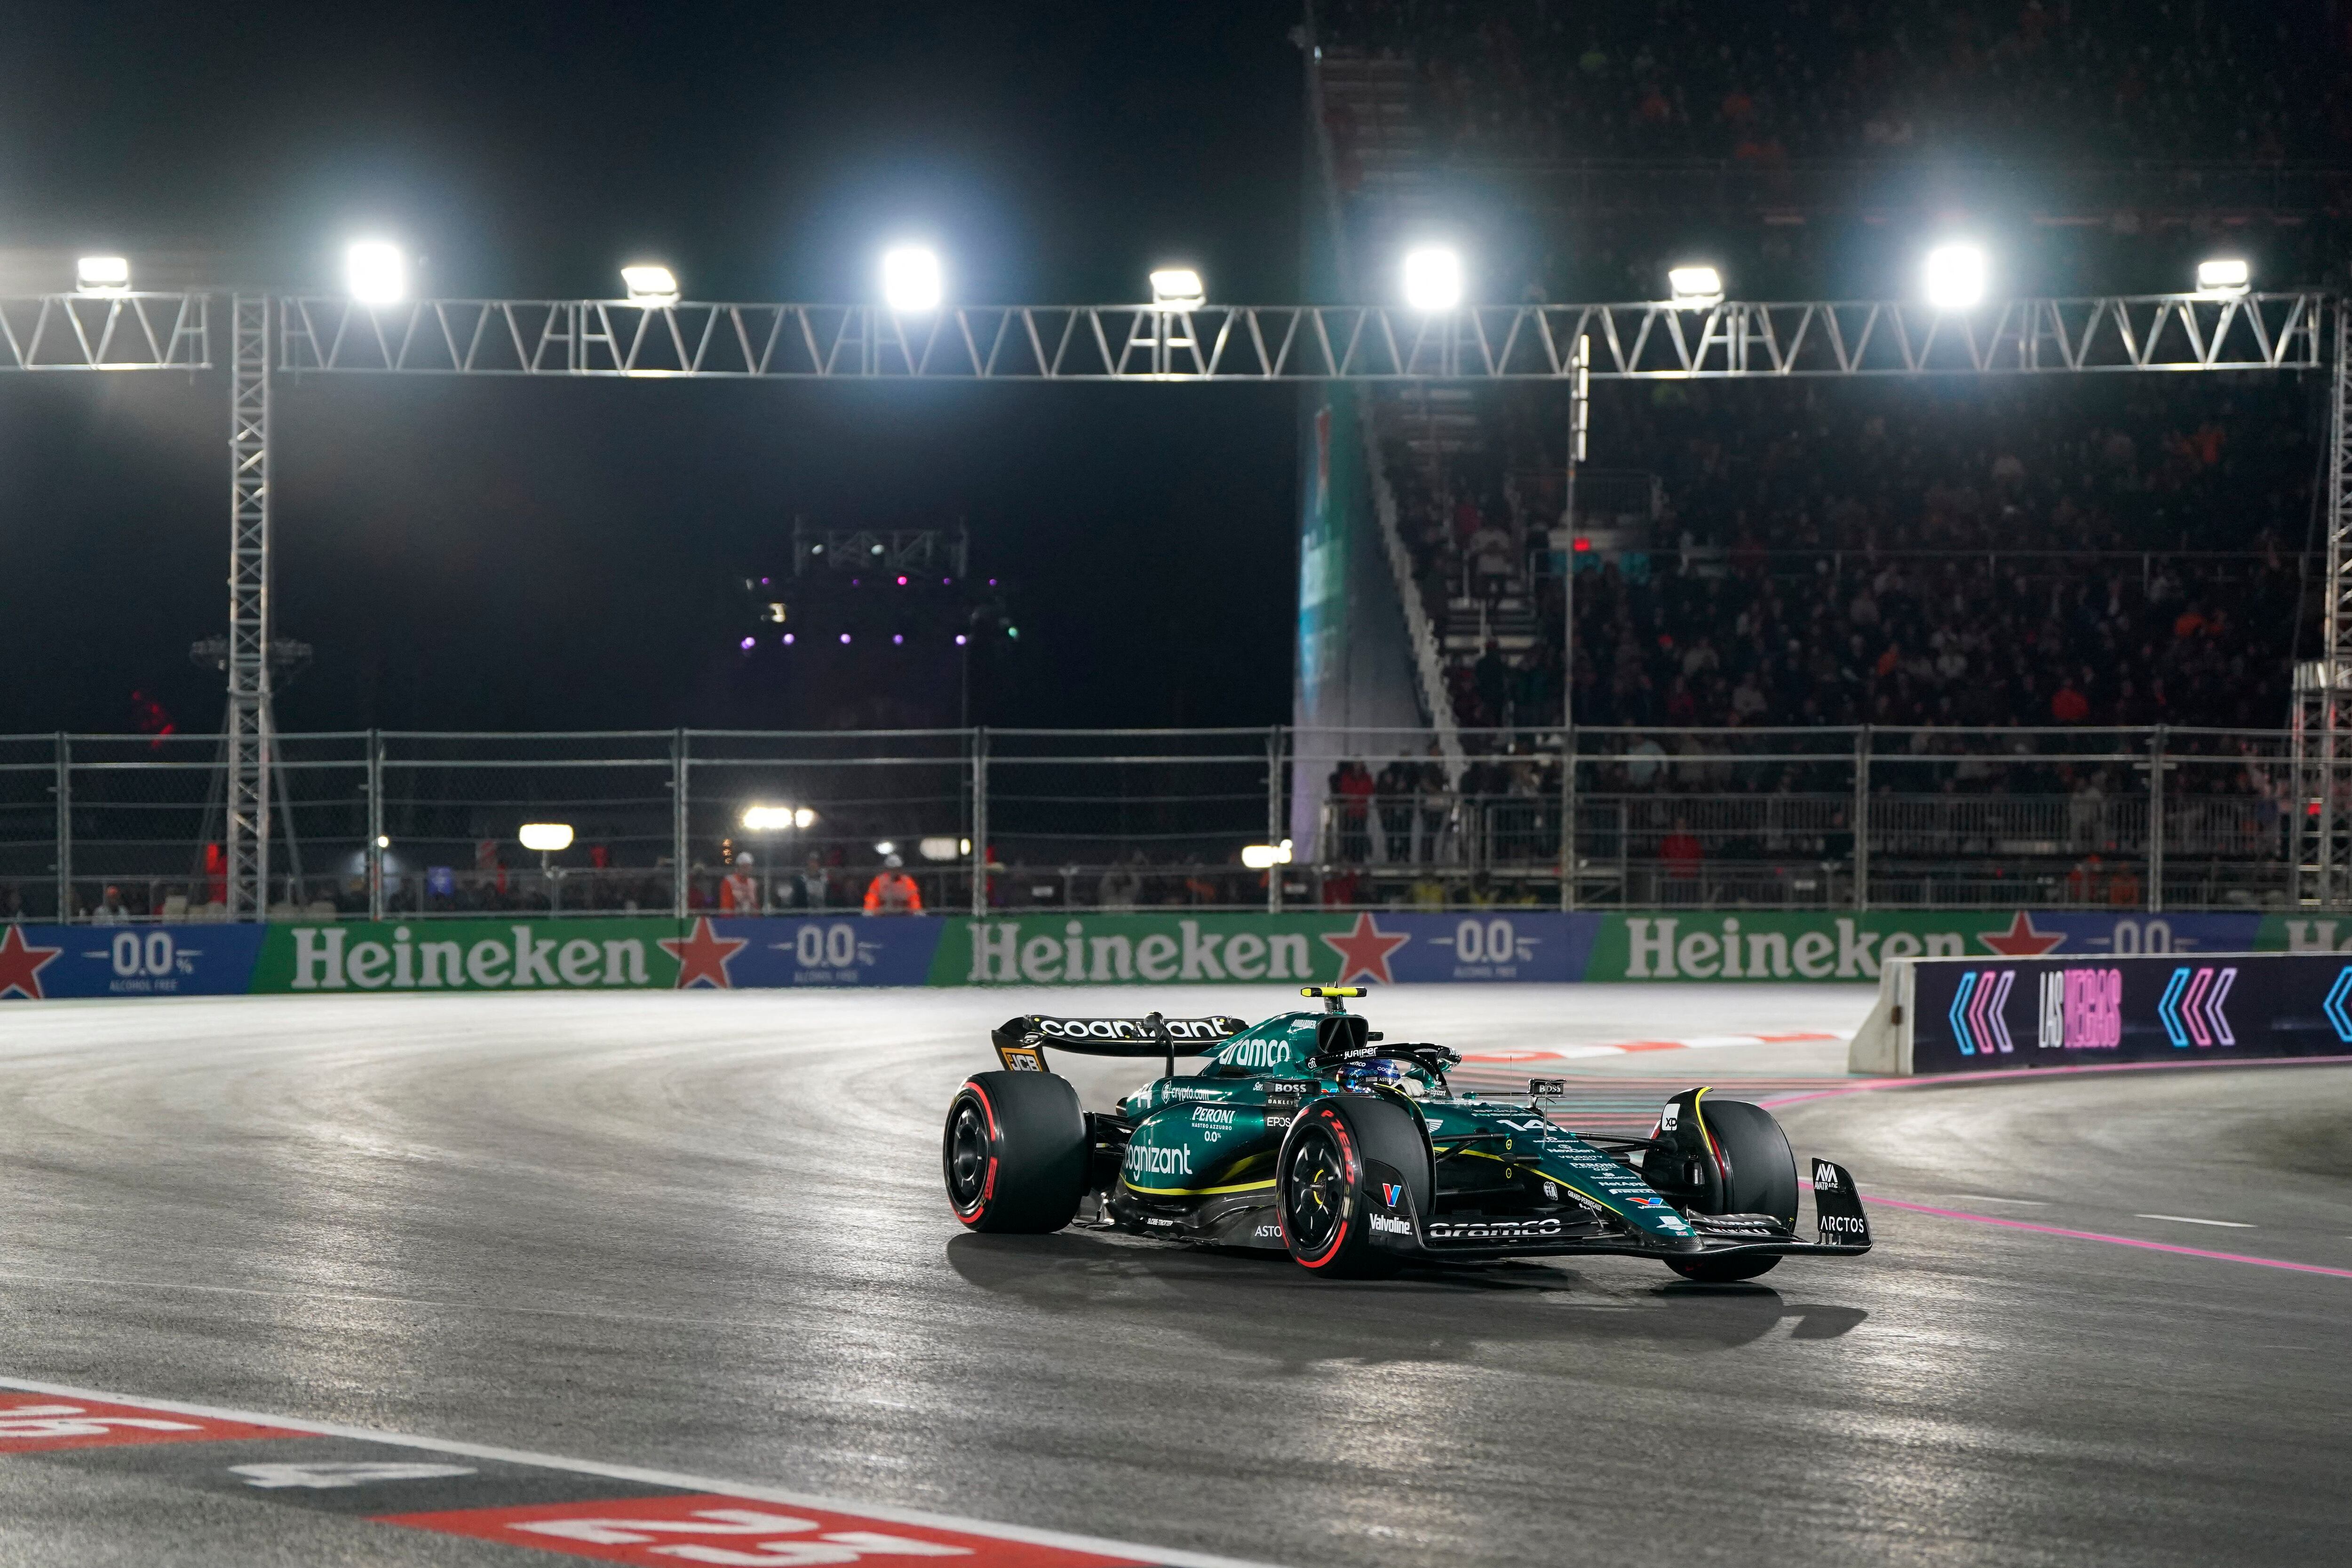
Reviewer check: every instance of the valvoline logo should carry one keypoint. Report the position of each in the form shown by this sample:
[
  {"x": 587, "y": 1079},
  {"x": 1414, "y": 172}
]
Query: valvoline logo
[{"x": 1390, "y": 1192}]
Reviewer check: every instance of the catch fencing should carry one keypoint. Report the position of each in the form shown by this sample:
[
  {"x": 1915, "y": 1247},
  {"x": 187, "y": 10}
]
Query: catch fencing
[{"x": 121, "y": 829}]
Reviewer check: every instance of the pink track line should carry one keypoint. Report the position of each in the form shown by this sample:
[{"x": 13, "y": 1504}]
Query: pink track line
[
  {"x": 1491, "y": 1057},
  {"x": 2069, "y": 1070},
  {"x": 2117, "y": 1241}
]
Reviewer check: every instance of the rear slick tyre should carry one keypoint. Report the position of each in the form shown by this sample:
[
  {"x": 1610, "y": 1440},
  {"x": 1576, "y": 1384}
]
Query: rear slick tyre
[{"x": 1015, "y": 1153}]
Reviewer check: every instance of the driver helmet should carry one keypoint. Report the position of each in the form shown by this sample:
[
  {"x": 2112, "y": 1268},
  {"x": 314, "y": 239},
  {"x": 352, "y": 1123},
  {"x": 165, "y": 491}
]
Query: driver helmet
[{"x": 1382, "y": 1071}]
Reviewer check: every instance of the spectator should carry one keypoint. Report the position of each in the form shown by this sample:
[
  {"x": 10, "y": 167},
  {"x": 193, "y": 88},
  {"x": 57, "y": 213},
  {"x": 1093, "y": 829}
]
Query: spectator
[
  {"x": 738, "y": 890},
  {"x": 1396, "y": 787},
  {"x": 892, "y": 891},
  {"x": 812, "y": 889},
  {"x": 1353, "y": 788},
  {"x": 1121, "y": 887},
  {"x": 1493, "y": 677},
  {"x": 1683, "y": 857}
]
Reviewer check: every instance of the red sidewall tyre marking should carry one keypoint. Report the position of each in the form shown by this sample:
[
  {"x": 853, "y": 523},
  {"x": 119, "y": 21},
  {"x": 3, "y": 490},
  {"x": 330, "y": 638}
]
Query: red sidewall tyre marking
[
  {"x": 1349, "y": 1172},
  {"x": 988, "y": 1183}
]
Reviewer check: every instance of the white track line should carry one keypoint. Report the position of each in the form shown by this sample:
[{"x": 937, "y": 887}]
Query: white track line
[
  {"x": 2188, "y": 1219},
  {"x": 1156, "y": 1554}
]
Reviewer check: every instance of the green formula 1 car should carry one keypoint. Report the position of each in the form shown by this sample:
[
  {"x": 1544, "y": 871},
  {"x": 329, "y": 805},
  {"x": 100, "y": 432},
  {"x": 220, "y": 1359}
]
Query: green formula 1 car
[{"x": 1309, "y": 1133}]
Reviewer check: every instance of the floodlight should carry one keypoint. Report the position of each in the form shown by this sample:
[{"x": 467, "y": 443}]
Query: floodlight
[
  {"x": 1265, "y": 857},
  {"x": 1695, "y": 284},
  {"x": 770, "y": 818},
  {"x": 938, "y": 848},
  {"x": 382, "y": 841},
  {"x": 376, "y": 272},
  {"x": 911, "y": 280},
  {"x": 2223, "y": 275},
  {"x": 1955, "y": 277},
  {"x": 650, "y": 285},
  {"x": 102, "y": 274},
  {"x": 804, "y": 818},
  {"x": 1177, "y": 288},
  {"x": 885, "y": 848},
  {"x": 1433, "y": 278},
  {"x": 546, "y": 837}
]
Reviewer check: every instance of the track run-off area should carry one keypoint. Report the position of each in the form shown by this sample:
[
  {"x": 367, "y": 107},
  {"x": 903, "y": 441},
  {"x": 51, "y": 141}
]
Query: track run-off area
[{"x": 671, "y": 1278}]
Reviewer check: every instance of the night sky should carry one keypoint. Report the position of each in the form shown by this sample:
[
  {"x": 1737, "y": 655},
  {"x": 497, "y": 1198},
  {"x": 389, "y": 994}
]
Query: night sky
[{"x": 492, "y": 554}]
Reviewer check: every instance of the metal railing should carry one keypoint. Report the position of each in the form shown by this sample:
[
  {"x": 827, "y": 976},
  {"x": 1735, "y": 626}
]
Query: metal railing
[{"x": 424, "y": 825}]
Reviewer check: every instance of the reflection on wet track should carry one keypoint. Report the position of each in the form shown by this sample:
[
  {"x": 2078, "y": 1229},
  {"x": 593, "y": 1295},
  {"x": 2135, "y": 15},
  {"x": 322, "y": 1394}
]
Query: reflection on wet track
[{"x": 704, "y": 1235}]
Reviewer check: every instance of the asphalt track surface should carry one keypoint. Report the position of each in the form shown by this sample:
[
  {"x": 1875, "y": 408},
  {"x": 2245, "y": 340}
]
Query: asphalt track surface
[{"x": 704, "y": 1234}]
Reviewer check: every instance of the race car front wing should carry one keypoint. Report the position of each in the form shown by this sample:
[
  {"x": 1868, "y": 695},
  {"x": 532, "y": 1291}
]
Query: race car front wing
[{"x": 1840, "y": 1224}]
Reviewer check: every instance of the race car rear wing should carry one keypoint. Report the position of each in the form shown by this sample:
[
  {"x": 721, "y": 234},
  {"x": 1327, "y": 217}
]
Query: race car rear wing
[{"x": 1021, "y": 1042}]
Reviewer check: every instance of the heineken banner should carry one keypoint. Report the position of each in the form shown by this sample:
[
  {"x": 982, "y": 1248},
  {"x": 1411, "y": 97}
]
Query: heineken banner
[{"x": 1054, "y": 947}]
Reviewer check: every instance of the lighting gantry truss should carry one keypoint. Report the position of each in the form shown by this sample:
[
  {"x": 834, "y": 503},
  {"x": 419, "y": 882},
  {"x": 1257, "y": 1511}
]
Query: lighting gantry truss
[
  {"x": 280, "y": 340},
  {"x": 1295, "y": 342}
]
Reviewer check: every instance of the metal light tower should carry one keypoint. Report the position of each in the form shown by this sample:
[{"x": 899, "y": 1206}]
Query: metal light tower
[
  {"x": 251, "y": 725},
  {"x": 2322, "y": 688}
]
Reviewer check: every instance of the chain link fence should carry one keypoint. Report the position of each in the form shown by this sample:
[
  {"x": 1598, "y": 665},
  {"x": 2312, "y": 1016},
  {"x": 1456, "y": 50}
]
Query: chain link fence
[{"x": 119, "y": 828}]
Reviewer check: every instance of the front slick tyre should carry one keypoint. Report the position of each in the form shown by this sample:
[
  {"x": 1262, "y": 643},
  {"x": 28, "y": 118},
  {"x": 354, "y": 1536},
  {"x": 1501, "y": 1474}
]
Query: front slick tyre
[
  {"x": 1755, "y": 1172},
  {"x": 1325, "y": 1209},
  {"x": 1723, "y": 1270},
  {"x": 1015, "y": 1153}
]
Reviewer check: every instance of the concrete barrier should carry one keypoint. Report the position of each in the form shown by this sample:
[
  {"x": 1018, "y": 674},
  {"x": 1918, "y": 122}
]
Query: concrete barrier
[{"x": 1975, "y": 1015}]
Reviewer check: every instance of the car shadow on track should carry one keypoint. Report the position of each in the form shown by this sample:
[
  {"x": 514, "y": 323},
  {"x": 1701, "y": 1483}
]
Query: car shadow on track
[{"x": 1452, "y": 1315}]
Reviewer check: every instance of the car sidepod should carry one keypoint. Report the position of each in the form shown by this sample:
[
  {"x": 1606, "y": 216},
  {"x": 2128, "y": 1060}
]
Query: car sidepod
[{"x": 1198, "y": 1172}]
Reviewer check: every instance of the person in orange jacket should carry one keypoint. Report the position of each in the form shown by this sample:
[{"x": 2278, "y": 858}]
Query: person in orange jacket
[{"x": 893, "y": 892}]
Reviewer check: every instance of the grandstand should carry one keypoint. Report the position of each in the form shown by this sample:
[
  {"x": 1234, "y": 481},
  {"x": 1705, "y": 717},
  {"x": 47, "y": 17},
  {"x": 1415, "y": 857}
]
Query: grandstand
[{"x": 2082, "y": 571}]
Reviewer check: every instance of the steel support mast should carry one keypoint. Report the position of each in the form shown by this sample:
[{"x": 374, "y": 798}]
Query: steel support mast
[
  {"x": 2323, "y": 687},
  {"x": 251, "y": 725}
]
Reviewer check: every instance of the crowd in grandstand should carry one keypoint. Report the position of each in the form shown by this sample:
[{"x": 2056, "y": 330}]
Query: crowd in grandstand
[
  {"x": 2117, "y": 79},
  {"x": 1964, "y": 555}
]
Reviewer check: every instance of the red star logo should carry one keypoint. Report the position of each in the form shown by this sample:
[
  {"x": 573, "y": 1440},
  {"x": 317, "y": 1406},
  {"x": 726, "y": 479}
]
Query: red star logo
[
  {"x": 1364, "y": 951},
  {"x": 21, "y": 965},
  {"x": 2021, "y": 940},
  {"x": 702, "y": 956}
]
